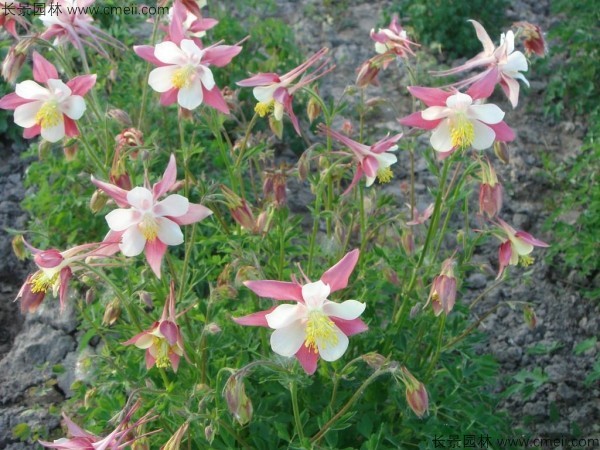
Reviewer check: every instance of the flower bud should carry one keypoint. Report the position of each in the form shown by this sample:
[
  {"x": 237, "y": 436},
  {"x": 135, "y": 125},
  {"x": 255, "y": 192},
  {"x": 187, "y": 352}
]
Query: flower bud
[
  {"x": 70, "y": 151},
  {"x": 209, "y": 433},
  {"x": 408, "y": 242},
  {"x": 89, "y": 296},
  {"x": 18, "y": 247},
  {"x": 490, "y": 191},
  {"x": 443, "y": 290},
  {"x": 184, "y": 114},
  {"x": 374, "y": 360},
  {"x": 12, "y": 64},
  {"x": 347, "y": 128},
  {"x": 416, "y": 394},
  {"x": 313, "y": 109},
  {"x": 112, "y": 312},
  {"x": 246, "y": 273},
  {"x": 502, "y": 152},
  {"x": 239, "y": 209},
  {"x": 533, "y": 39},
  {"x": 276, "y": 126},
  {"x": 530, "y": 317},
  {"x": 367, "y": 74},
  {"x": 98, "y": 200},
  {"x": 120, "y": 116},
  {"x": 212, "y": 328},
  {"x": 174, "y": 441},
  {"x": 238, "y": 402}
]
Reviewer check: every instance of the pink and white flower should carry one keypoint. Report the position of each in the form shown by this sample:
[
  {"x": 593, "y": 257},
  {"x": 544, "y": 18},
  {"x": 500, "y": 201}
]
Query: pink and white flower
[
  {"x": 275, "y": 93},
  {"x": 315, "y": 326},
  {"x": 143, "y": 223},
  {"x": 516, "y": 246},
  {"x": 504, "y": 66},
  {"x": 443, "y": 289},
  {"x": 163, "y": 341},
  {"x": 457, "y": 120},
  {"x": 393, "y": 39},
  {"x": 11, "y": 14},
  {"x": 372, "y": 161},
  {"x": 185, "y": 24},
  {"x": 52, "y": 110},
  {"x": 183, "y": 74}
]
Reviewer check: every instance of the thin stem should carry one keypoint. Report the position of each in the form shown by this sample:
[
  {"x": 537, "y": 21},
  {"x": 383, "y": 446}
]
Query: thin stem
[
  {"x": 438, "y": 347},
  {"x": 238, "y": 161},
  {"x": 297, "y": 420},
  {"x": 145, "y": 84}
]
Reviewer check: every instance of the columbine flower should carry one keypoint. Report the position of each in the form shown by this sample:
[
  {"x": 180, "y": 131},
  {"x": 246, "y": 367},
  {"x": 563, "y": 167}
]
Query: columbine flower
[
  {"x": 393, "y": 39},
  {"x": 55, "y": 269},
  {"x": 443, "y": 290},
  {"x": 533, "y": 38},
  {"x": 490, "y": 191},
  {"x": 314, "y": 326},
  {"x": 185, "y": 24},
  {"x": 516, "y": 246},
  {"x": 143, "y": 223},
  {"x": 504, "y": 66},
  {"x": 11, "y": 14},
  {"x": 121, "y": 437},
  {"x": 183, "y": 74},
  {"x": 49, "y": 110},
  {"x": 457, "y": 121},
  {"x": 275, "y": 93},
  {"x": 65, "y": 21},
  {"x": 373, "y": 161},
  {"x": 162, "y": 341},
  {"x": 416, "y": 394}
]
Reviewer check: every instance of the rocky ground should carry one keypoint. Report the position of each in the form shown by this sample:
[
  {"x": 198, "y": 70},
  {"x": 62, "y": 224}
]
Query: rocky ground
[{"x": 562, "y": 405}]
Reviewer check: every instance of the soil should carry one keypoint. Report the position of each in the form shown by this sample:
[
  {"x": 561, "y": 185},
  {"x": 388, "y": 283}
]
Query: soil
[{"x": 562, "y": 406}]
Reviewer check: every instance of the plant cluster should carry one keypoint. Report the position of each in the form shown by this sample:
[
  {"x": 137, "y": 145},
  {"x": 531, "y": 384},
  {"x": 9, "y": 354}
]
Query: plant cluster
[{"x": 357, "y": 304}]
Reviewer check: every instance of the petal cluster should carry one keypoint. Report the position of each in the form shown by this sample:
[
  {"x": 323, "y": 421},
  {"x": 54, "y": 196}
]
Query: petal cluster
[{"x": 515, "y": 247}]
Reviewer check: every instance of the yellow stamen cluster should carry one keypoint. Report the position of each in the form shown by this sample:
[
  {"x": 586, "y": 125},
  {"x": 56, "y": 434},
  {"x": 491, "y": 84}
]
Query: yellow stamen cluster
[
  {"x": 183, "y": 77},
  {"x": 385, "y": 175},
  {"x": 48, "y": 115},
  {"x": 462, "y": 132},
  {"x": 262, "y": 108},
  {"x": 526, "y": 261},
  {"x": 149, "y": 227},
  {"x": 41, "y": 282},
  {"x": 321, "y": 329},
  {"x": 162, "y": 352}
]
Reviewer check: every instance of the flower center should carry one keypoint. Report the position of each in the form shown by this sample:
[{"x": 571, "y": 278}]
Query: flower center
[
  {"x": 49, "y": 115},
  {"x": 385, "y": 175},
  {"x": 149, "y": 227},
  {"x": 162, "y": 352},
  {"x": 183, "y": 77},
  {"x": 41, "y": 281},
  {"x": 264, "y": 108},
  {"x": 526, "y": 260},
  {"x": 320, "y": 329},
  {"x": 462, "y": 132}
]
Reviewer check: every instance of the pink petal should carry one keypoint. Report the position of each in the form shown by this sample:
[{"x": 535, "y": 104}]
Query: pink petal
[
  {"x": 307, "y": 359},
  {"x": 370, "y": 165},
  {"x": 32, "y": 132},
  {"x": 174, "y": 358},
  {"x": 257, "y": 319},
  {"x": 169, "y": 330},
  {"x": 71, "y": 129},
  {"x": 215, "y": 99},
  {"x": 195, "y": 213},
  {"x": 119, "y": 195},
  {"x": 350, "y": 327},
  {"x": 65, "y": 276},
  {"x": 511, "y": 88},
  {"x": 147, "y": 52},
  {"x": 260, "y": 79},
  {"x": 12, "y": 101},
  {"x": 504, "y": 256},
  {"x": 150, "y": 360},
  {"x": 337, "y": 276},
  {"x": 503, "y": 132},
  {"x": 430, "y": 96},
  {"x": 168, "y": 179},
  {"x": 484, "y": 38},
  {"x": 357, "y": 176},
  {"x": 74, "y": 429},
  {"x": 82, "y": 84},
  {"x": 416, "y": 120},
  {"x": 484, "y": 87},
  {"x": 47, "y": 259},
  {"x": 221, "y": 55},
  {"x": 530, "y": 239},
  {"x": 277, "y": 290},
  {"x": 155, "y": 250},
  {"x": 30, "y": 301},
  {"x": 169, "y": 97},
  {"x": 176, "y": 32},
  {"x": 43, "y": 70}
]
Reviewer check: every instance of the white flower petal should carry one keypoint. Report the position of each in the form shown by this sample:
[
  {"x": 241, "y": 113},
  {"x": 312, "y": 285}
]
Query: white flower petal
[
  {"x": 168, "y": 231},
  {"x": 459, "y": 101},
  {"x": 287, "y": 341},
  {"x": 264, "y": 93},
  {"x": 278, "y": 111},
  {"x": 333, "y": 352},
  {"x": 385, "y": 159},
  {"x": 314, "y": 294},
  {"x": 121, "y": 219},
  {"x": 190, "y": 48},
  {"x": 284, "y": 315},
  {"x": 435, "y": 113},
  {"x": 58, "y": 89},
  {"x": 132, "y": 242},
  {"x": 441, "y": 141},
  {"x": 191, "y": 97},
  {"x": 174, "y": 205},
  {"x": 348, "y": 310},
  {"x": 161, "y": 78},
  {"x": 140, "y": 198},
  {"x": 30, "y": 90},
  {"x": 169, "y": 53},
  {"x": 370, "y": 181},
  {"x": 483, "y": 136},
  {"x": 206, "y": 77},
  {"x": 24, "y": 115},
  {"x": 515, "y": 63},
  {"x": 73, "y": 107},
  {"x": 55, "y": 133},
  {"x": 487, "y": 113},
  {"x": 521, "y": 247}
]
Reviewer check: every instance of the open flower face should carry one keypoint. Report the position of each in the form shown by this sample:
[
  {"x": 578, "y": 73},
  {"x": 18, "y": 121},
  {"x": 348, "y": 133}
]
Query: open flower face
[
  {"x": 516, "y": 246},
  {"x": 314, "y": 326},
  {"x": 392, "y": 39}
]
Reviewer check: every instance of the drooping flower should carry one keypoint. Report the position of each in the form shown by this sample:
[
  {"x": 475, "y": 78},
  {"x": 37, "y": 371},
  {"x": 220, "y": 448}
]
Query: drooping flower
[
  {"x": 416, "y": 394},
  {"x": 420, "y": 218},
  {"x": 121, "y": 437},
  {"x": 503, "y": 65},
  {"x": 516, "y": 246},
  {"x": 185, "y": 24},
  {"x": 315, "y": 326},
  {"x": 490, "y": 191},
  {"x": 443, "y": 290},
  {"x": 373, "y": 161},
  {"x": 275, "y": 93},
  {"x": 55, "y": 270},
  {"x": 163, "y": 341},
  {"x": 11, "y": 14},
  {"x": 393, "y": 39},
  {"x": 456, "y": 121},
  {"x": 143, "y": 223},
  {"x": 50, "y": 111},
  {"x": 67, "y": 21},
  {"x": 183, "y": 74},
  {"x": 533, "y": 38}
]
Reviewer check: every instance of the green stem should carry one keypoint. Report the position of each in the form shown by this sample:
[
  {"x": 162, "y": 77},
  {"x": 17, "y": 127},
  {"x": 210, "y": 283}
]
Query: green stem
[
  {"x": 297, "y": 420},
  {"x": 438, "y": 347},
  {"x": 144, "y": 82}
]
